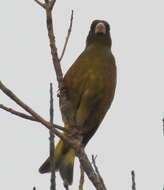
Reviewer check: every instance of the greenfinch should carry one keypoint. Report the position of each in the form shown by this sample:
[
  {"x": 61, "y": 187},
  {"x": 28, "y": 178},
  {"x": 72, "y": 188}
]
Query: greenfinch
[{"x": 90, "y": 86}]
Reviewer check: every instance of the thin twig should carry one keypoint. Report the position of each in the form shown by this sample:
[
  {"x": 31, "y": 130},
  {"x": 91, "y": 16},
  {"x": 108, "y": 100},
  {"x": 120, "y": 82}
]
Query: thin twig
[
  {"x": 67, "y": 37},
  {"x": 40, "y": 3},
  {"x": 56, "y": 62},
  {"x": 25, "y": 116},
  {"x": 81, "y": 183},
  {"x": 52, "y": 143},
  {"x": 97, "y": 171},
  {"x": 89, "y": 170},
  {"x": 133, "y": 180},
  {"x": 14, "y": 112},
  {"x": 163, "y": 125}
]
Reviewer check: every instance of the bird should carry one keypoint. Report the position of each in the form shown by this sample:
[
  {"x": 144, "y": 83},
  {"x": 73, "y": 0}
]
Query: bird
[{"x": 90, "y": 85}]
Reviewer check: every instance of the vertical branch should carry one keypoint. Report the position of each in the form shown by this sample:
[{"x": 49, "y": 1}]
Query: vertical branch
[
  {"x": 163, "y": 126},
  {"x": 52, "y": 146},
  {"x": 55, "y": 58},
  {"x": 64, "y": 103},
  {"x": 81, "y": 178},
  {"x": 133, "y": 180}
]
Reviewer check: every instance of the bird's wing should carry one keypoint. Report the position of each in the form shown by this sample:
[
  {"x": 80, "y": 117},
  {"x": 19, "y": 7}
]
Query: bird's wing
[{"x": 89, "y": 98}]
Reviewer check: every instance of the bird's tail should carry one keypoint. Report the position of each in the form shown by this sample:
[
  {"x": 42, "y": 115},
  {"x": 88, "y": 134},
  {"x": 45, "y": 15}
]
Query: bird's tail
[{"x": 64, "y": 162}]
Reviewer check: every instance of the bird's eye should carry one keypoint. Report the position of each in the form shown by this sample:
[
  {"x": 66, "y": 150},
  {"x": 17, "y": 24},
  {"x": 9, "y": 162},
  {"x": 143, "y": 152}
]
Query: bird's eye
[
  {"x": 93, "y": 25},
  {"x": 107, "y": 26}
]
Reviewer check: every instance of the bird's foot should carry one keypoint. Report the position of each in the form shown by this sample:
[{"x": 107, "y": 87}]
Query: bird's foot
[
  {"x": 61, "y": 89},
  {"x": 74, "y": 131}
]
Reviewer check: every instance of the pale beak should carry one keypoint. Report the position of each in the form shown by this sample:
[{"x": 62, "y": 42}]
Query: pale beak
[{"x": 100, "y": 28}]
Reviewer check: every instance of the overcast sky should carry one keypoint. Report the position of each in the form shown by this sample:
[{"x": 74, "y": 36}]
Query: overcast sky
[{"x": 130, "y": 137}]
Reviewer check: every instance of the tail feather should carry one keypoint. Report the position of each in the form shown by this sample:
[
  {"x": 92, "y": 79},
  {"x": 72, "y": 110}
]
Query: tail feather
[
  {"x": 59, "y": 153},
  {"x": 66, "y": 167},
  {"x": 45, "y": 167},
  {"x": 64, "y": 162}
]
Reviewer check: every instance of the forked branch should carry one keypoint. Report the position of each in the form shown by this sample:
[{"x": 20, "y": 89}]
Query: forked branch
[
  {"x": 35, "y": 115},
  {"x": 19, "y": 114}
]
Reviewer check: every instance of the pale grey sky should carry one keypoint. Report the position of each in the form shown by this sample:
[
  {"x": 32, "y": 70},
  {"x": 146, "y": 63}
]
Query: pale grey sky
[{"x": 130, "y": 136}]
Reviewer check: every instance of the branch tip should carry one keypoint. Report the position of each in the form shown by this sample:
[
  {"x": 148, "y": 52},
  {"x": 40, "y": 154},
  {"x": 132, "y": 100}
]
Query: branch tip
[
  {"x": 133, "y": 180},
  {"x": 52, "y": 4},
  {"x": 40, "y": 3},
  {"x": 68, "y": 35}
]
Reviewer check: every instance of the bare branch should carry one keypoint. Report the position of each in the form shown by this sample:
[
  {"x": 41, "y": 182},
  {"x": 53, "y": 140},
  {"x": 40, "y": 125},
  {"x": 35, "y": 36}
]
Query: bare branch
[
  {"x": 40, "y": 3},
  {"x": 52, "y": 143},
  {"x": 86, "y": 165},
  {"x": 74, "y": 143},
  {"x": 55, "y": 59},
  {"x": 24, "y": 116},
  {"x": 36, "y": 116},
  {"x": 97, "y": 171},
  {"x": 133, "y": 180},
  {"x": 67, "y": 37},
  {"x": 65, "y": 105},
  {"x": 52, "y": 4},
  {"x": 81, "y": 178},
  {"x": 10, "y": 94},
  {"x": 163, "y": 125}
]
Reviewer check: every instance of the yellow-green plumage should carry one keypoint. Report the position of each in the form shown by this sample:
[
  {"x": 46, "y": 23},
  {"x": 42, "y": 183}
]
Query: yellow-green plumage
[{"x": 90, "y": 86}]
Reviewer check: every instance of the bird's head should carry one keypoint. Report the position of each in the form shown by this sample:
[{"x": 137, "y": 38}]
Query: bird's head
[{"x": 99, "y": 33}]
